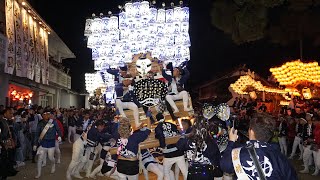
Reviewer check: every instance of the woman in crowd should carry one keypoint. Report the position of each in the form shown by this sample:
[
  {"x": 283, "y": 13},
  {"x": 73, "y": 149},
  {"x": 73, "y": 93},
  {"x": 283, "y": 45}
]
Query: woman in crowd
[{"x": 202, "y": 152}]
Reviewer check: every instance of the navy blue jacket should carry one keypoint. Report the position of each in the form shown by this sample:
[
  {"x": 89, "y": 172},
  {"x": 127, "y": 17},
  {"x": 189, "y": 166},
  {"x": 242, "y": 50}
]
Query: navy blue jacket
[
  {"x": 276, "y": 165},
  {"x": 131, "y": 148},
  {"x": 128, "y": 97},
  {"x": 51, "y": 133},
  {"x": 209, "y": 155},
  {"x": 94, "y": 137},
  {"x": 79, "y": 125},
  {"x": 164, "y": 130},
  {"x": 183, "y": 80},
  {"x": 116, "y": 74}
]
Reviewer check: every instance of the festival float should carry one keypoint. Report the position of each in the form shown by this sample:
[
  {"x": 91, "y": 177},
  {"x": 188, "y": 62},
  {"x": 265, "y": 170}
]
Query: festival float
[
  {"x": 142, "y": 36},
  {"x": 147, "y": 40}
]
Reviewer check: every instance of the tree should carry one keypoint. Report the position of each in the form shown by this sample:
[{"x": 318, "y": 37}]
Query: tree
[{"x": 280, "y": 21}]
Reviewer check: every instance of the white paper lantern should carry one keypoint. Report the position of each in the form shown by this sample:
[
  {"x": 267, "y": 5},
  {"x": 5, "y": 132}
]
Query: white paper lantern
[
  {"x": 185, "y": 13},
  {"x": 169, "y": 16},
  {"x": 96, "y": 26},
  {"x": 88, "y": 27},
  {"x": 104, "y": 25},
  {"x": 153, "y": 15},
  {"x": 122, "y": 21},
  {"x": 184, "y": 28},
  {"x": 144, "y": 9},
  {"x": 177, "y": 14},
  {"x": 161, "y": 16},
  {"x": 136, "y": 10},
  {"x": 113, "y": 23},
  {"x": 129, "y": 10}
]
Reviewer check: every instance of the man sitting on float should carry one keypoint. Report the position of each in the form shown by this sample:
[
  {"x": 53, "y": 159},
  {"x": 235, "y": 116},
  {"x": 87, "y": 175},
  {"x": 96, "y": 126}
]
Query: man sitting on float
[
  {"x": 119, "y": 74},
  {"x": 160, "y": 73},
  {"x": 176, "y": 89},
  {"x": 126, "y": 99}
]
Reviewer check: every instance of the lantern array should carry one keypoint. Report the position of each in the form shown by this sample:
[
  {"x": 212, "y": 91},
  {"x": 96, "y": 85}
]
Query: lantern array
[
  {"x": 243, "y": 82},
  {"x": 139, "y": 29},
  {"x": 295, "y": 72}
]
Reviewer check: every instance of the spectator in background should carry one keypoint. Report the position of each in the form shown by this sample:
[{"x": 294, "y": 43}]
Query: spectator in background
[
  {"x": 263, "y": 108},
  {"x": 6, "y": 165}
]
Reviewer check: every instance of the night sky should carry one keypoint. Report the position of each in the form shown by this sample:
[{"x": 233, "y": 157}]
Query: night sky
[{"x": 212, "y": 51}]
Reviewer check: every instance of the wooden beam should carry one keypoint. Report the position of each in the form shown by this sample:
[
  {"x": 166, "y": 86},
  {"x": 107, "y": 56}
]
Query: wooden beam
[{"x": 151, "y": 142}]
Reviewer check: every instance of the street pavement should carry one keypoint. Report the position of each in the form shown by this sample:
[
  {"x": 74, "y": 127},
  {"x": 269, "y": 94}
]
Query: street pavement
[{"x": 28, "y": 172}]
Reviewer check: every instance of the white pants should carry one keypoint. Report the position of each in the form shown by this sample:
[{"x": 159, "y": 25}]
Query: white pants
[
  {"x": 76, "y": 137},
  {"x": 42, "y": 152},
  {"x": 297, "y": 142},
  {"x": 177, "y": 170},
  {"x": 128, "y": 177},
  {"x": 180, "y": 161},
  {"x": 157, "y": 169},
  {"x": 128, "y": 105},
  {"x": 316, "y": 156},
  {"x": 181, "y": 95},
  {"x": 86, "y": 162},
  {"x": 71, "y": 132},
  {"x": 77, "y": 157},
  {"x": 283, "y": 145},
  {"x": 57, "y": 151},
  {"x": 307, "y": 157}
]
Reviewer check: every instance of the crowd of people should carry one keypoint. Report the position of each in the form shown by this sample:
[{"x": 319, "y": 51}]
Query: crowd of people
[
  {"x": 251, "y": 144},
  {"x": 104, "y": 136}
]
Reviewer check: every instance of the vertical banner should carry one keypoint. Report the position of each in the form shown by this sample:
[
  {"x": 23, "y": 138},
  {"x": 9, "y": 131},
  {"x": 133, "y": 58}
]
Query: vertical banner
[
  {"x": 25, "y": 43},
  {"x": 32, "y": 50},
  {"x": 3, "y": 49},
  {"x": 42, "y": 57},
  {"x": 46, "y": 54},
  {"x": 10, "y": 61},
  {"x": 19, "y": 36},
  {"x": 37, "y": 53}
]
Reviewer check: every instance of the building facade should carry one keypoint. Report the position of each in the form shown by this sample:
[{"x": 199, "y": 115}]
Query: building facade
[{"x": 53, "y": 87}]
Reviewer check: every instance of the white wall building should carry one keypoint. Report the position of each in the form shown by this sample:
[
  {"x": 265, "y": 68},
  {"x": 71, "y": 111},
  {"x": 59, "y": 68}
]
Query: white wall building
[{"x": 57, "y": 93}]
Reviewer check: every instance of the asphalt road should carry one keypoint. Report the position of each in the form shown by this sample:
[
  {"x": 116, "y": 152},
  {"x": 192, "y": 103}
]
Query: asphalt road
[{"x": 29, "y": 171}]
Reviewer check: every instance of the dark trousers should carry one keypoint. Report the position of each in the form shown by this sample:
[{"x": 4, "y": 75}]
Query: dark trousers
[
  {"x": 145, "y": 109},
  {"x": 33, "y": 136},
  {"x": 169, "y": 108}
]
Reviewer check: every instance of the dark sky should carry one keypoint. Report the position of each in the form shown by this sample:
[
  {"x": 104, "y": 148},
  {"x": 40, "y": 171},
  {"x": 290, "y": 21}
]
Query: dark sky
[{"x": 212, "y": 51}]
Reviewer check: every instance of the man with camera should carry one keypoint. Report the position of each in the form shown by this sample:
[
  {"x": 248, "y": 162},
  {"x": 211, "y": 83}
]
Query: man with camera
[{"x": 258, "y": 159}]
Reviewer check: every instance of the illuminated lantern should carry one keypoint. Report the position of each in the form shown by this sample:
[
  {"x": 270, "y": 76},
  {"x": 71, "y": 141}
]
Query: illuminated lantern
[
  {"x": 30, "y": 94},
  {"x": 17, "y": 96},
  {"x": 88, "y": 28},
  {"x": 306, "y": 93},
  {"x": 14, "y": 92},
  {"x": 253, "y": 95},
  {"x": 169, "y": 16}
]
